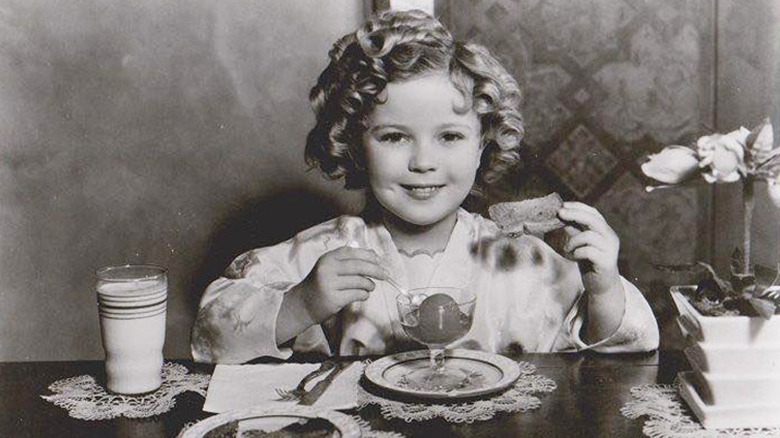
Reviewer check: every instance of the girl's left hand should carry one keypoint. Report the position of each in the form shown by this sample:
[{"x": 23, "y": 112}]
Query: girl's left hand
[{"x": 593, "y": 244}]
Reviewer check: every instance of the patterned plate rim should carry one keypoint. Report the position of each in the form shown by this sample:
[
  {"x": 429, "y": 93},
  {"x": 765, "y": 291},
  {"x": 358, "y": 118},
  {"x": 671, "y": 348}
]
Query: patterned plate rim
[
  {"x": 347, "y": 427},
  {"x": 511, "y": 372}
]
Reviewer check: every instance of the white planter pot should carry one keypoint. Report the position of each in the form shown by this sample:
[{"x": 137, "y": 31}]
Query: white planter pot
[
  {"x": 734, "y": 358},
  {"x": 725, "y": 330},
  {"x": 735, "y": 380}
]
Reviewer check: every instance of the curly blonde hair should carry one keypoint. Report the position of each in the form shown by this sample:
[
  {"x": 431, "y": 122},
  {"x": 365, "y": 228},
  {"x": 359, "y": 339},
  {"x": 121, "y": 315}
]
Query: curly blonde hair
[{"x": 397, "y": 46}]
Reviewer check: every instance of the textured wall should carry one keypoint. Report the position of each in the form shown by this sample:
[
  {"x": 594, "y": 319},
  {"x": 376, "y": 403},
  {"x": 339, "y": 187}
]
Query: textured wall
[
  {"x": 149, "y": 131},
  {"x": 605, "y": 83}
]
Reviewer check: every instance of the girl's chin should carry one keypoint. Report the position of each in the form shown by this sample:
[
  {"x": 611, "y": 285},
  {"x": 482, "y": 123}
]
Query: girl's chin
[
  {"x": 421, "y": 220},
  {"x": 417, "y": 214}
]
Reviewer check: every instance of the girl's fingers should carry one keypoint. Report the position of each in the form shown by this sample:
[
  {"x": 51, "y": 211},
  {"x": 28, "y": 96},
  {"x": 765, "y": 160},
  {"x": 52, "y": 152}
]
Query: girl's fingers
[
  {"x": 580, "y": 206},
  {"x": 354, "y": 282},
  {"x": 349, "y": 253},
  {"x": 584, "y": 215},
  {"x": 585, "y": 238},
  {"x": 356, "y": 294},
  {"x": 571, "y": 230},
  {"x": 362, "y": 268},
  {"x": 587, "y": 253}
]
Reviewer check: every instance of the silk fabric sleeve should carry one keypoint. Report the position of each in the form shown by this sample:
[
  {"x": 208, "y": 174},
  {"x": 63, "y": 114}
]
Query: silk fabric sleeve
[{"x": 236, "y": 318}]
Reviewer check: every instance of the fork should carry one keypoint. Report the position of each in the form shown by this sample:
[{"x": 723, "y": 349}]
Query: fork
[
  {"x": 299, "y": 391},
  {"x": 312, "y": 396}
]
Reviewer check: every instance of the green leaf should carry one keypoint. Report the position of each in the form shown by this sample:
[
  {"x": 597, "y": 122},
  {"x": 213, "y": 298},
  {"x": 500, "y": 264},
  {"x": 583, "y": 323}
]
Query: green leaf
[
  {"x": 770, "y": 164},
  {"x": 765, "y": 308},
  {"x": 772, "y": 290},
  {"x": 759, "y": 142},
  {"x": 722, "y": 284},
  {"x": 740, "y": 283},
  {"x": 771, "y": 293},
  {"x": 772, "y": 155},
  {"x": 744, "y": 284},
  {"x": 709, "y": 289}
]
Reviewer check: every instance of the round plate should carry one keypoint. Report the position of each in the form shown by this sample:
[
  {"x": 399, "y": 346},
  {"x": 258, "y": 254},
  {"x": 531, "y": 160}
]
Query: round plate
[
  {"x": 488, "y": 373},
  {"x": 236, "y": 423}
]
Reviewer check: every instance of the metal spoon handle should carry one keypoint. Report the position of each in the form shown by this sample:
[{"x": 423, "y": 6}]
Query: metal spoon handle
[
  {"x": 396, "y": 285},
  {"x": 354, "y": 244}
]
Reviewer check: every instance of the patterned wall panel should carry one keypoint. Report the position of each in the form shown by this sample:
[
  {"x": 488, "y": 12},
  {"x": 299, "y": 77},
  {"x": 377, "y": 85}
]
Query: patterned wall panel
[{"x": 605, "y": 83}]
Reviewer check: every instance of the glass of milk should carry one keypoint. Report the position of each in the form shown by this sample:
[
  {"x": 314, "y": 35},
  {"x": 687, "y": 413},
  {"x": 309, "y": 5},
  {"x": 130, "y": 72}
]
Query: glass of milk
[{"x": 132, "y": 302}]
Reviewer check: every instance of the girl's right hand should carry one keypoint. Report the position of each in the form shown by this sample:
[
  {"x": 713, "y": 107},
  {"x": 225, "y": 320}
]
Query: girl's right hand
[{"x": 340, "y": 277}]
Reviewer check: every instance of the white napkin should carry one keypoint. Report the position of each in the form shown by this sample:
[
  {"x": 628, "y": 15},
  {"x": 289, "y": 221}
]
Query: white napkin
[{"x": 243, "y": 386}]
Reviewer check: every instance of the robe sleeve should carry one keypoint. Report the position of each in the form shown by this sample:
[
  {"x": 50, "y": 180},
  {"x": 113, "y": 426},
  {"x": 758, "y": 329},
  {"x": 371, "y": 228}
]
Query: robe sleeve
[
  {"x": 638, "y": 328},
  {"x": 236, "y": 318},
  {"x": 637, "y": 331},
  {"x": 548, "y": 307}
]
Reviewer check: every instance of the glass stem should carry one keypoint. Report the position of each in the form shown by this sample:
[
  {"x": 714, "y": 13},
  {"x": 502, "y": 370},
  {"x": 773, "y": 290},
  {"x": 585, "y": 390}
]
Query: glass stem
[{"x": 437, "y": 359}]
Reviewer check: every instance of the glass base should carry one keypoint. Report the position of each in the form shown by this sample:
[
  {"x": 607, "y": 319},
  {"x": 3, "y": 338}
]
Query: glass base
[{"x": 438, "y": 379}]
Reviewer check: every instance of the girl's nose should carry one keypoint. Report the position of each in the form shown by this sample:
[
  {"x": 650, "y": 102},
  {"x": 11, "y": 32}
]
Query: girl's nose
[{"x": 423, "y": 158}]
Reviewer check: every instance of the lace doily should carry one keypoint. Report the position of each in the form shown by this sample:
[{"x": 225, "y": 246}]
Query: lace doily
[
  {"x": 519, "y": 398},
  {"x": 669, "y": 418},
  {"x": 365, "y": 430},
  {"x": 85, "y": 399}
]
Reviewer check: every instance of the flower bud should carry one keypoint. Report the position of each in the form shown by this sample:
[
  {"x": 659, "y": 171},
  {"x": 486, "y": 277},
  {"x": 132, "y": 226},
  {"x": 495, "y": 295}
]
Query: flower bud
[{"x": 672, "y": 165}]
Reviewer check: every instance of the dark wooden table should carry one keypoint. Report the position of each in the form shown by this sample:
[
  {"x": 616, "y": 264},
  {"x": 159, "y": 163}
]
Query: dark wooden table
[{"x": 591, "y": 390}]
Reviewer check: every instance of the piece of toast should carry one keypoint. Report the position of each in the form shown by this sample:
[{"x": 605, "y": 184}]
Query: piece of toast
[{"x": 531, "y": 216}]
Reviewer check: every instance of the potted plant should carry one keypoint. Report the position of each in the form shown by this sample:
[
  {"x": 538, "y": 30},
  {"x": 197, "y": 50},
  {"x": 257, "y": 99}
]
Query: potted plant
[{"x": 733, "y": 338}]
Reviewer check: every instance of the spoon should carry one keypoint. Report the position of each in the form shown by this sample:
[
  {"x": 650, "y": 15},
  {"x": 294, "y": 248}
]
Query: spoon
[
  {"x": 353, "y": 244},
  {"x": 397, "y": 286}
]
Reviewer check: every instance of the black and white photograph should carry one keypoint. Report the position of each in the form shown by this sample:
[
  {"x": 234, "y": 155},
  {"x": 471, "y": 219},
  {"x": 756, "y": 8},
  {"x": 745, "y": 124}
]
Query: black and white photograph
[{"x": 389, "y": 218}]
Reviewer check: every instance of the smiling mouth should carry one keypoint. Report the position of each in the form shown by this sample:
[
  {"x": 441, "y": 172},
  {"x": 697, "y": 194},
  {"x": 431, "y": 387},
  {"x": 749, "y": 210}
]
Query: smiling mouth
[{"x": 422, "y": 191}]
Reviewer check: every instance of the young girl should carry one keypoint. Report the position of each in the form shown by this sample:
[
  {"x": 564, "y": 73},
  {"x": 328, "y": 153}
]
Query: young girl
[{"x": 421, "y": 121}]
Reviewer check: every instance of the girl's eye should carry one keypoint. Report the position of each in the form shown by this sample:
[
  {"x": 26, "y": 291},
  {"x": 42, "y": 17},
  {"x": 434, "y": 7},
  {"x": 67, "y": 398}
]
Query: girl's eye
[
  {"x": 392, "y": 137},
  {"x": 452, "y": 136}
]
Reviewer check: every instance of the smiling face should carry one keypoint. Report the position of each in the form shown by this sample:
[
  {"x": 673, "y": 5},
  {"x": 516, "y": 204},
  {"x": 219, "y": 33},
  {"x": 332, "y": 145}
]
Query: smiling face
[{"x": 422, "y": 150}]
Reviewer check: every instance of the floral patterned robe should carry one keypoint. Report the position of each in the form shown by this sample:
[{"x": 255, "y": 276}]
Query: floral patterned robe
[{"x": 528, "y": 297}]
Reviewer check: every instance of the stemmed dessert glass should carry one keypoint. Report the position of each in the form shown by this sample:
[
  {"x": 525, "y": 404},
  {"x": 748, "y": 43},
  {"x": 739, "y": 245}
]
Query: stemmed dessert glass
[{"x": 436, "y": 317}]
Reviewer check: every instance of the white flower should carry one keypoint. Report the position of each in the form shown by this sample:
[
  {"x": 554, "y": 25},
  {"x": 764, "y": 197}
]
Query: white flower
[
  {"x": 672, "y": 165},
  {"x": 721, "y": 157},
  {"x": 773, "y": 188}
]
